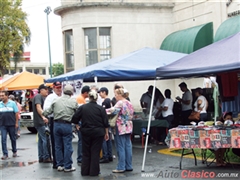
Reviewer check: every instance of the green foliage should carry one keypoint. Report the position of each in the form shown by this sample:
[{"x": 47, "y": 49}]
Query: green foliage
[
  {"x": 14, "y": 31},
  {"x": 57, "y": 69}
]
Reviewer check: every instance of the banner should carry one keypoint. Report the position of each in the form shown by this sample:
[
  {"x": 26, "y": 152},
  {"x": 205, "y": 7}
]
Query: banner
[{"x": 76, "y": 84}]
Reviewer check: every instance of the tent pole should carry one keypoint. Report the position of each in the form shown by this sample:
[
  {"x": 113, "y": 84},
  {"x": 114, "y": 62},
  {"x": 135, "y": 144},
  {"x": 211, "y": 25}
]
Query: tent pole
[
  {"x": 148, "y": 128},
  {"x": 95, "y": 80}
]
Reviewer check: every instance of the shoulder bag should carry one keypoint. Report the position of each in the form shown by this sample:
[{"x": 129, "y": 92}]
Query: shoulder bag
[
  {"x": 112, "y": 119},
  {"x": 195, "y": 115}
]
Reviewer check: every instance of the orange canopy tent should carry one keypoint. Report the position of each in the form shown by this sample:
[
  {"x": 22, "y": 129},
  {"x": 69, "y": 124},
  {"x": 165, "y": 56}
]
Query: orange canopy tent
[{"x": 24, "y": 80}]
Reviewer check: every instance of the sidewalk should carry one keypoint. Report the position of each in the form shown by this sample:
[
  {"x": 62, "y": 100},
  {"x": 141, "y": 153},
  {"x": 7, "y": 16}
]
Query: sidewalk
[{"x": 157, "y": 166}]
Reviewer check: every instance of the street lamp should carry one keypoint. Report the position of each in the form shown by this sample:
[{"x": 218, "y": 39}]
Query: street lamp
[{"x": 47, "y": 11}]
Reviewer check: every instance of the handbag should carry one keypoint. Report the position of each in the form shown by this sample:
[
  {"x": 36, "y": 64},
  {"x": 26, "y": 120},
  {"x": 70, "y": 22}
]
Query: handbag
[
  {"x": 112, "y": 120},
  {"x": 194, "y": 116}
]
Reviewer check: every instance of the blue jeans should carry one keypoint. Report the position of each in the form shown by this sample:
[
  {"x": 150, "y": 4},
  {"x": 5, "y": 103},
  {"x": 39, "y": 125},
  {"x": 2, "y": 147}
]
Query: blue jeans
[
  {"x": 11, "y": 131},
  {"x": 63, "y": 144},
  {"x": 124, "y": 151},
  {"x": 79, "y": 149},
  {"x": 107, "y": 148},
  {"x": 42, "y": 144},
  {"x": 169, "y": 119}
]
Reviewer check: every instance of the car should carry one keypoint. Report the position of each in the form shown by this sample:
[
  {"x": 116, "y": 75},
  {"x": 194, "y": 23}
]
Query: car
[{"x": 27, "y": 121}]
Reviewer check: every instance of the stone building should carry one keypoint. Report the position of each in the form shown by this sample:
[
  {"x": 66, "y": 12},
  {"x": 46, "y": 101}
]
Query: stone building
[{"x": 98, "y": 30}]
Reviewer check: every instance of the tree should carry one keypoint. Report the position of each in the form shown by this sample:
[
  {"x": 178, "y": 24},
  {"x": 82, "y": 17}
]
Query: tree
[
  {"x": 14, "y": 31},
  {"x": 57, "y": 69},
  {"x": 17, "y": 57}
]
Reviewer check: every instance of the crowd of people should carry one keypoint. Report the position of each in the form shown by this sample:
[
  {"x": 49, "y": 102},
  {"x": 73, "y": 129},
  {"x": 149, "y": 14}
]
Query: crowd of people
[
  {"x": 88, "y": 112},
  {"x": 163, "y": 110},
  {"x": 163, "y": 104}
]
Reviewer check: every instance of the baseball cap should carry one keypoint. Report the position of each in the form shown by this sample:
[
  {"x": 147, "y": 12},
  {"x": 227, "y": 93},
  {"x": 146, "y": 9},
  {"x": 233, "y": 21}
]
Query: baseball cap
[
  {"x": 57, "y": 84},
  {"x": 68, "y": 89},
  {"x": 104, "y": 89},
  {"x": 85, "y": 89},
  {"x": 42, "y": 86}
]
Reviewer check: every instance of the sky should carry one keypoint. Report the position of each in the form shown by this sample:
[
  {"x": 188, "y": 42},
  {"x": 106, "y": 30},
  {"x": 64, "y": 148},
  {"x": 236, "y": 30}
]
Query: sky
[{"x": 37, "y": 22}]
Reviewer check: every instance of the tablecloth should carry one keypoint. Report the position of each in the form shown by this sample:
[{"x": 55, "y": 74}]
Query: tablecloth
[{"x": 204, "y": 138}]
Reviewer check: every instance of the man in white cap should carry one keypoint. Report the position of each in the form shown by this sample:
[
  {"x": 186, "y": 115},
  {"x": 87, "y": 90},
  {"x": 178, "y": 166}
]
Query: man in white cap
[
  {"x": 57, "y": 92},
  {"x": 63, "y": 109}
]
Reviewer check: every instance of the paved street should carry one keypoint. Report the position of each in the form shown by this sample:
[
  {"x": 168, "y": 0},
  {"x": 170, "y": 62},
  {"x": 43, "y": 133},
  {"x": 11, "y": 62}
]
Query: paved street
[{"x": 158, "y": 166}]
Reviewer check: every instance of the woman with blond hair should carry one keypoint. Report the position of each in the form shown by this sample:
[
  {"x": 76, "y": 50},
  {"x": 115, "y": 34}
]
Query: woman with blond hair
[
  {"x": 123, "y": 130},
  {"x": 94, "y": 129}
]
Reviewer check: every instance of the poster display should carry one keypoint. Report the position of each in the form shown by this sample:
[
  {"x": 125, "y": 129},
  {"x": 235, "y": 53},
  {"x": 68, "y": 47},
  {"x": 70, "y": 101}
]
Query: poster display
[
  {"x": 205, "y": 138},
  {"x": 77, "y": 86}
]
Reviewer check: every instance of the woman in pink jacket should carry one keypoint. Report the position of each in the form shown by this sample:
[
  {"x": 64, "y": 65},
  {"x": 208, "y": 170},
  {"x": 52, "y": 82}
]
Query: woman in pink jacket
[{"x": 123, "y": 130}]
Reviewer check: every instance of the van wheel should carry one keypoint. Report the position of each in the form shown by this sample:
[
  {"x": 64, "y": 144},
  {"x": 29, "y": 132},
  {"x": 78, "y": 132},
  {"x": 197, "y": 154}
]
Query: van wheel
[{"x": 32, "y": 129}]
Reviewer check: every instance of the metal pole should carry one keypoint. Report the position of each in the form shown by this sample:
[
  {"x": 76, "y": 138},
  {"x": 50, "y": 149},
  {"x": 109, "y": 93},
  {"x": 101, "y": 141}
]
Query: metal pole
[
  {"x": 148, "y": 128},
  {"x": 47, "y": 11}
]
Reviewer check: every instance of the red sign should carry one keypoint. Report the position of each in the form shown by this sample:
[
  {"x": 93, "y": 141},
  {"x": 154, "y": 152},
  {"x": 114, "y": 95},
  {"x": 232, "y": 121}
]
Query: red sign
[{"x": 25, "y": 57}]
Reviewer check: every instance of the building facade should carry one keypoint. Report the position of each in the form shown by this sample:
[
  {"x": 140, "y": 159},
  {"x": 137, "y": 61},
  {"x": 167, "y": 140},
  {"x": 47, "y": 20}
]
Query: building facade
[
  {"x": 98, "y": 30},
  {"x": 36, "y": 68},
  {"x": 25, "y": 64}
]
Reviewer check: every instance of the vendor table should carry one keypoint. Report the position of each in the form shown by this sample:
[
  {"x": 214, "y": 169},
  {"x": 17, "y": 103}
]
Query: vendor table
[{"x": 203, "y": 138}]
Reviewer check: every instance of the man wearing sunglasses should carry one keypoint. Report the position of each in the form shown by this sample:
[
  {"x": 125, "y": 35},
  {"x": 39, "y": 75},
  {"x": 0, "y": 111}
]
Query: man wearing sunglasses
[{"x": 57, "y": 92}]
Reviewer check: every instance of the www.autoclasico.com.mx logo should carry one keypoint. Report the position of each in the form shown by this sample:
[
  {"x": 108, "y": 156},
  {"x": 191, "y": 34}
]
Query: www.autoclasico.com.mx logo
[{"x": 190, "y": 174}]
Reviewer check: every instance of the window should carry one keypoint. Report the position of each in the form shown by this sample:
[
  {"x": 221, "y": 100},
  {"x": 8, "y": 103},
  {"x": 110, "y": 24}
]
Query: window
[
  {"x": 69, "y": 56},
  {"x": 43, "y": 71},
  {"x": 36, "y": 71},
  {"x": 6, "y": 71},
  {"x": 12, "y": 71},
  {"x": 29, "y": 70},
  {"x": 97, "y": 44}
]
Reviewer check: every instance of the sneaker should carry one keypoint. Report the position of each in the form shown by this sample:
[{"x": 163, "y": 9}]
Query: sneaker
[
  {"x": 14, "y": 154},
  {"x": 79, "y": 163},
  {"x": 129, "y": 169},
  {"x": 118, "y": 171},
  {"x": 70, "y": 170},
  {"x": 60, "y": 168},
  {"x": 4, "y": 157},
  {"x": 110, "y": 159}
]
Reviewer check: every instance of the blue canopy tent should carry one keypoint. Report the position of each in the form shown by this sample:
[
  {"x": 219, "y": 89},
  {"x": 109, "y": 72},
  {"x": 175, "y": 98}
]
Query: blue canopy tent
[
  {"x": 221, "y": 56},
  {"x": 137, "y": 65}
]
